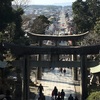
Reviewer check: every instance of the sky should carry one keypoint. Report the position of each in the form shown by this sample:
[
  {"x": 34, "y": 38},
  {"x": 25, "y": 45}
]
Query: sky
[{"x": 50, "y": 2}]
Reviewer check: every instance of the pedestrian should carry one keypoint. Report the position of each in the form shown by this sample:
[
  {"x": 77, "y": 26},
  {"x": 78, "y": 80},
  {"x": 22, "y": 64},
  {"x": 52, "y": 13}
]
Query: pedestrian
[
  {"x": 59, "y": 94},
  {"x": 64, "y": 71},
  {"x": 55, "y": 92},
  {"x": 75, "y": 98},
  {"x": 62, "y": 94},
  {"x": 58, "y": 98},
  {"x": 52, "y": 94},
  {"x": 70, "y": 97},
  {"x": 40, "y": 88},
  {"x": 41, "y": 97}
]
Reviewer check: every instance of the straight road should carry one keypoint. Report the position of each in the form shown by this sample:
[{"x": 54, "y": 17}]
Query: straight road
[{"x": 63, "y": 24}]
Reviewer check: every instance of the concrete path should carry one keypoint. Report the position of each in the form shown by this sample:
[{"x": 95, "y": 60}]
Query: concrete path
[{"x": 55, "y": 78}]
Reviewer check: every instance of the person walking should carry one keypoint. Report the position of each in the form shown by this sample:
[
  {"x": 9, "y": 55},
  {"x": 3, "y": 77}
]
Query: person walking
[
  {"x": 64, "y": 71},
  {"x": 52, "y": 94},
  {"x": 59, "y": 94},
  {"x": 55, "y": 92},
  {"x": 62, "y": 94},
  {"x": 58, "y": 98},
  {"x": 40, "y": 88},
  {"x": 41, "y": 97},
  {"x": 70, "y": 97}
]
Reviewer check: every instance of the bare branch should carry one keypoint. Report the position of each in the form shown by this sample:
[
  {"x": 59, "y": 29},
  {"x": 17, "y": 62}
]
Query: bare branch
[{"x": 20, "y": 3}]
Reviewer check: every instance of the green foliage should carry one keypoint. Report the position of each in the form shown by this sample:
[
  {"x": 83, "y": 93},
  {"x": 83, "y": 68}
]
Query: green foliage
[
  {"x": 85, "y": 14},
  {"x": 6, "y": 14},
  {"x": 43, "y": 18},
  {"x": 20, "y": 11},
  {"x": 10, "y": 25},
  {"x": 94, "y": 96},
  {"x": 97, "y": 27},
  {"x": 81, "y": 18},
  {"x": 22, "y": 41},
  {"x": 39, "y": 24},
  {"x": 94, "y": 8}
]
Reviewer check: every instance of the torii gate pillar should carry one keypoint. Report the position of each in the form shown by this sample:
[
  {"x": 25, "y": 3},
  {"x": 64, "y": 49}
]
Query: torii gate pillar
[
  {"x": 83, "y": 83},
  {"x": 39, "y": 74},
  {"x": 26, "y": 78},
  {"x": 74, "y": 69}
]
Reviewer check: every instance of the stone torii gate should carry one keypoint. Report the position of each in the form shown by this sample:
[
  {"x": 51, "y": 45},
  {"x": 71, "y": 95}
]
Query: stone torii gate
[
  {"x": 78, "y": 50},
  {"x": 40, "y": 38}
]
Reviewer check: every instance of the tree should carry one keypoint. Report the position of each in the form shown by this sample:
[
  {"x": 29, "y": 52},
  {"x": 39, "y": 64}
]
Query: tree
[
  {"x": 94, "y": 9},
  {"x": 10, "y": 31},
  {"x": 10, "y": 24},
  {"x": 94, "y": 96},
  {"x": 39, "y": 24},
  {"x": 20, "y": 3},
  {"x": 6, "y": 23},
  {"x": 91, "y": 39},
  {"x": 85, "y": 14},
  {"x": 97, "y": 27},
  {"x": 81, "y": 16},
  {"x": 19, "y": 34},
  {"x": 6, "y": 17}
]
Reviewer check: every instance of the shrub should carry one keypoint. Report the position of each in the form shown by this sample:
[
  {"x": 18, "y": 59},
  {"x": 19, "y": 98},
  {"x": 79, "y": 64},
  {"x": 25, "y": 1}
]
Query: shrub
[{"x": 94, "y": 96}]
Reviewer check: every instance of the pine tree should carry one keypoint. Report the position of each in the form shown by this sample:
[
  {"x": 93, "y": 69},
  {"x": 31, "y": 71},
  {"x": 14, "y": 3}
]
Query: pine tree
[
  {"x": 10, "y": 24},
  {"x": 85, "y": 14}
]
